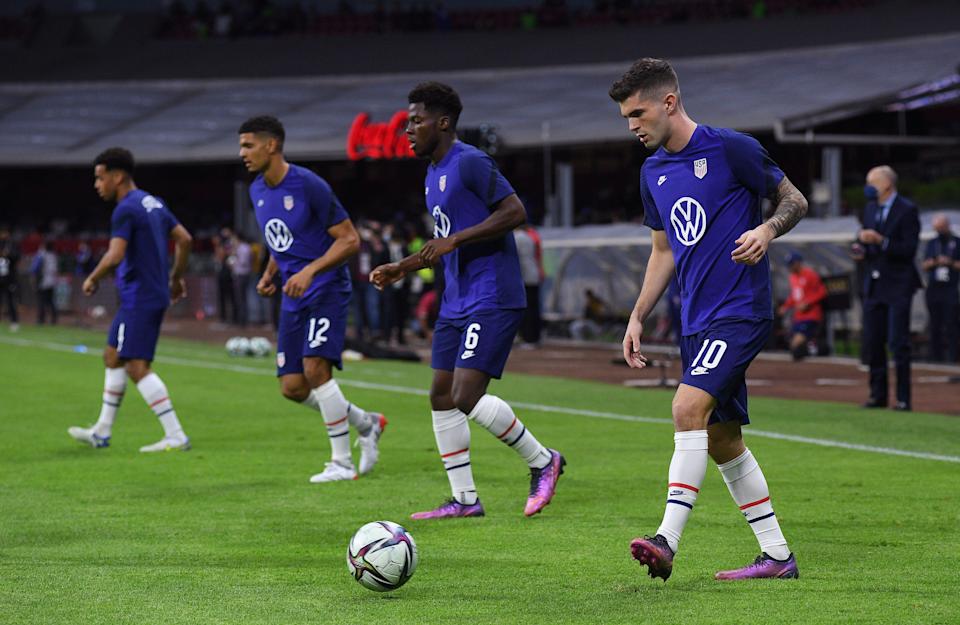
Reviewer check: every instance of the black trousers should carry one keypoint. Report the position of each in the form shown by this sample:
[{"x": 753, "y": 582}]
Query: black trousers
[
  {"x": 8, "y": 296},
  {"x": 884, "y": 325},
  {"x": 531, "y": 322},
  {"x": 226, "y": 295},
  {"x": 44, "y": 303},
  {"x": 943, "y": 308}
]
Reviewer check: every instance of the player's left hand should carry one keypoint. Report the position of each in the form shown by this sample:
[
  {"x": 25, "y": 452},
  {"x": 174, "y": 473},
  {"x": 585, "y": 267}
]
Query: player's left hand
[
  {"x": 432, "y": 250},
  {"x": 298, "y": 284},
  {"x": 178, "y": 290},
  {"x": 89, "y": 286},
  {"x": 753, "y": 245}
]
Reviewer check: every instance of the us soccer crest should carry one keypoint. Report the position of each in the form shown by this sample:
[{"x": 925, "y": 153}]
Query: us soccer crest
[
  {"x": 281, "y": 359},
  {"x": 288, "y": 201},
  {"x": 443, "y": 183},
  {"x": 700, "y": 167}
]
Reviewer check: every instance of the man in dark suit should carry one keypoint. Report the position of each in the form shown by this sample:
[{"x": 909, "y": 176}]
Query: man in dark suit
[{"x": 890, "y": 236}]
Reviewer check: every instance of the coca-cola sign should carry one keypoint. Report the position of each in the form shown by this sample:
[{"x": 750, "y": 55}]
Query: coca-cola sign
[{"x": 378, "y": 140}]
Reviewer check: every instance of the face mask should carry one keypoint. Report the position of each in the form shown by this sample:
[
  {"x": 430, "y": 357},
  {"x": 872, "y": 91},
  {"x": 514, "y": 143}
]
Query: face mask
[{"x": 870, "y": 192}]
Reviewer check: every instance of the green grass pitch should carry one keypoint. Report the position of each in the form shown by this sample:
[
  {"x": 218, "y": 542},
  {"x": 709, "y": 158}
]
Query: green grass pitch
[{"x": 231, "y": 532}]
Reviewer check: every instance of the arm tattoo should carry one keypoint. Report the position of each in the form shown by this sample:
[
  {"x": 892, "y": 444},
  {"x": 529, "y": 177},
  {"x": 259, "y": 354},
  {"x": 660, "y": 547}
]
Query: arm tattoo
[{"x": 790, "y": 205}]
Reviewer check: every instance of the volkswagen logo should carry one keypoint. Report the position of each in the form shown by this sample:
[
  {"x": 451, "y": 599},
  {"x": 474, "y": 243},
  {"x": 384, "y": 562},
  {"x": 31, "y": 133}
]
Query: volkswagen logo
[
  {"x": 689, "y": 220},
  {"x": 278, "y": 236},
  {"x": 442, "y": 227}
]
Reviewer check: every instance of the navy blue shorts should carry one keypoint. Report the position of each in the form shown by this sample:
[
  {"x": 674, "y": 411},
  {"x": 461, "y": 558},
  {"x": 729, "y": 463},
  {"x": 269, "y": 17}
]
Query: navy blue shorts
[
  {"x": 809, "y": 329},
  {"x": 479, "y": 341},
  {"x": 716, "y": 359},
  {"x": 315, "y": 331},
  {"x": 134, "y": 332}
]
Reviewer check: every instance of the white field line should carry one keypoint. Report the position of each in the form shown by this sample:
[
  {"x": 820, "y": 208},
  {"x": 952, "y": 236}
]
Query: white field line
[{"x": 594, "y": 414}]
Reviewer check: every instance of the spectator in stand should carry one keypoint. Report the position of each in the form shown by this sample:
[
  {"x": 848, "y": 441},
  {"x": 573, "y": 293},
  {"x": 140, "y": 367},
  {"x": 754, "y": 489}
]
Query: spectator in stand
[
  {"x": 395, "y": 297},
  {"x": 530, "y": 253},
  {"x": 241, "y": 264},
  {"x": 9, "y": 259},
  {"x": 226, "y": 296},
  {"x": 806, "y": 300},
  {"x": 44, "y": 269},
  {"x": 83, "y": 261},
  {"x": 942, "y": 264},
  {"x": 223, "y": 21}
]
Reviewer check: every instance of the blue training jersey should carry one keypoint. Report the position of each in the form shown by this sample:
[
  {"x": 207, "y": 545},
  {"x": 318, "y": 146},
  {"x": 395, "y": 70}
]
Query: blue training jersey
[
  {"x": 462, "y": 190},
  {"x": 708, "y": 194},
  {"x": 294, "y": 217},
  {"x": 144, "y": 222}
]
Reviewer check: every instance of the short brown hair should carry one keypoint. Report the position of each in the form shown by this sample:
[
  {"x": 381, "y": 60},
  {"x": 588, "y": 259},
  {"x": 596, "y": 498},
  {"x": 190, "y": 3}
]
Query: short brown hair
[{"x": 645, "y": 75}]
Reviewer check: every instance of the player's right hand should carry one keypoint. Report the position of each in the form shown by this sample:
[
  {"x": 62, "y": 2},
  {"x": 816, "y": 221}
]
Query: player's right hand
[
  {"x": 266, "y": 287},
  {"x": 89, "y": 286},
  {"x": 631, "y": 344},
  {"x": 385, "y": 275}
]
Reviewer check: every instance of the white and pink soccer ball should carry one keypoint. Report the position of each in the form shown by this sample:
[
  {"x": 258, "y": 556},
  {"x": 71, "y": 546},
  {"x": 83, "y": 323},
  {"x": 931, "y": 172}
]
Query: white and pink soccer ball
[{"x": 382, "y": 556}]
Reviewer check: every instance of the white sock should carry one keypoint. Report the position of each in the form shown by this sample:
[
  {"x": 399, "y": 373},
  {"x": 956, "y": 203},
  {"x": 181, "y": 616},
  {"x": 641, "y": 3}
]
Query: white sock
[
  {"x": 114, "y": 385},
  {"x": 687, "y": 469},
  {"x": 337, "y": 416},
  {"x": 358, "y": 418},
  {"x": 154, "y": 392},
  {"x": 495, "y": 415},
  {"x": 749, "y": 489},
  {"x": 452, "y": 432}
]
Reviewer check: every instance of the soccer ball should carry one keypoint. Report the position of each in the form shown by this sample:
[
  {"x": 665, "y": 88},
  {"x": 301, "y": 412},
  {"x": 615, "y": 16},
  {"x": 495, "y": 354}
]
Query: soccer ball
[
  {"x": 238, "y": 346},
  {"x": 260, "y": 346},
  {"x": 382, "y": 556}
]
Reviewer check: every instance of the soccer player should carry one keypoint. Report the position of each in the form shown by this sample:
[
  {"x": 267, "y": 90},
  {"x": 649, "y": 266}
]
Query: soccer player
[
  {"x": 141, "y": 227},
  {"x": 475, "y": 211},
  {"x": 310, "y": 237},
  {"x": 701, "y": 191}
]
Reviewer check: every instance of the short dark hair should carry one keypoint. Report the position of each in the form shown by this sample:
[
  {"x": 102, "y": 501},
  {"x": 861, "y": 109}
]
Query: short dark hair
[
  {"x": 114, "y": 159},
  {"x": 265, "y": 124},
  {"x": 647, "y": 75},
  {"x": 436, "y": 96}
]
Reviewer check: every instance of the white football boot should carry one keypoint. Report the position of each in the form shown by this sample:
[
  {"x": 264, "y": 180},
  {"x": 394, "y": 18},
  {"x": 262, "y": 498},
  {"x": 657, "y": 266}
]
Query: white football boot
[
  {"x": 334, "y": 472},
  {"x": 89, "y": 437},
  {"x": 368, "y": 443},
  {"x": 167, "y": 444}
]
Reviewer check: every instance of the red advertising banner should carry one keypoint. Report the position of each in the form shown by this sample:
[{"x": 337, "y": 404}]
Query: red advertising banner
[{"x": 378, "y": 140}]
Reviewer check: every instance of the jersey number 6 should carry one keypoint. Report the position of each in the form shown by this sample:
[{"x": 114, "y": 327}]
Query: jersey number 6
[{"x": 472, "y": 337}]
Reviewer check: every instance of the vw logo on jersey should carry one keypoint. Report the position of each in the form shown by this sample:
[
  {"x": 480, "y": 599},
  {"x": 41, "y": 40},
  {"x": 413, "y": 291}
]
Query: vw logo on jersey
[
  {"x": 149, "y": 202},
  {"x": 689, "y": 220},
  {"x": 442, "y": 227},
  {"x": 278, "y": 236}
]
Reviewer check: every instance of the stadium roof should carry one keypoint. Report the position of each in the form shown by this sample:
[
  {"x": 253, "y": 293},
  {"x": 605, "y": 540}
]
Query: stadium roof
[{"x": 189, "y": 121}]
